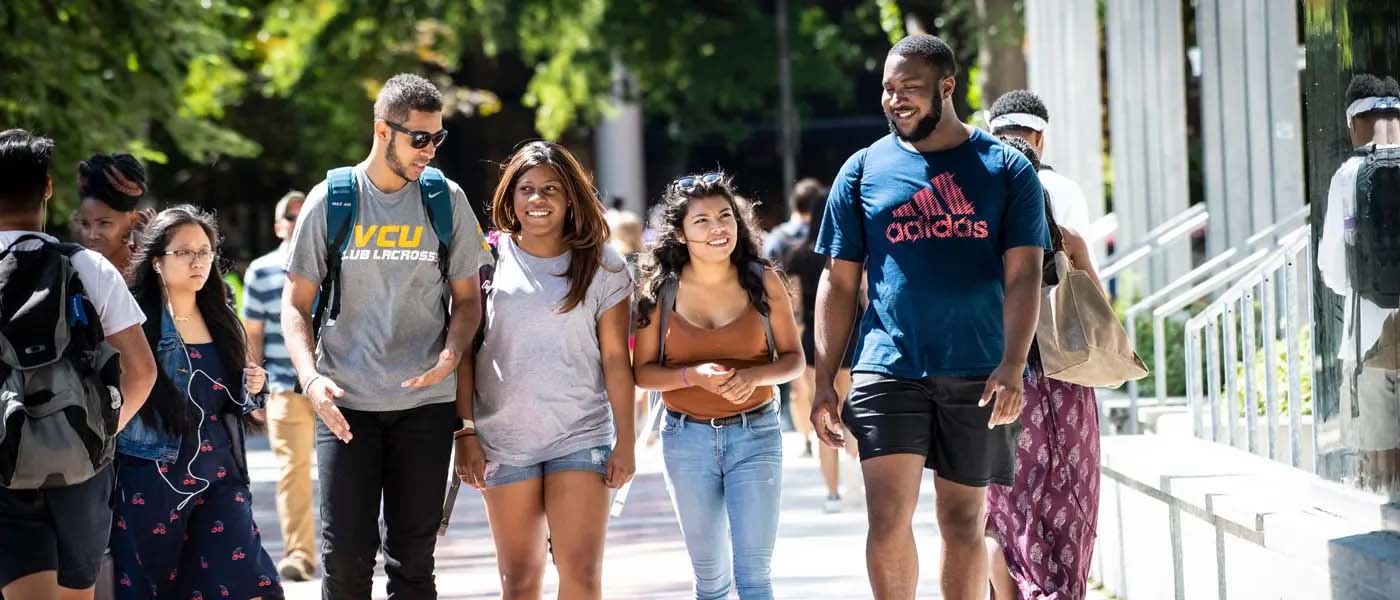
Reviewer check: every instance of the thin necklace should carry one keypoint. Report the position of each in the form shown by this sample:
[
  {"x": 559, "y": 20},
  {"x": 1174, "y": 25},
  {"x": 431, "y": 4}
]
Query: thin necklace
[{"x": 178, "y": 318}]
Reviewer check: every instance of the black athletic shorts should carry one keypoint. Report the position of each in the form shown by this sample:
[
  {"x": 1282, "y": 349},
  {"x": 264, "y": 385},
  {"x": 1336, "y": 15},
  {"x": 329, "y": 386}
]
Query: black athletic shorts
[
  {"x": 61, "y": 529},
  {"x": 936, "y": 417}
]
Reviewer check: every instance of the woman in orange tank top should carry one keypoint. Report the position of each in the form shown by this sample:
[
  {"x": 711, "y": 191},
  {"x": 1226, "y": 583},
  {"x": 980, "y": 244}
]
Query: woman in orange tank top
[{"x": 721, "y": 437}]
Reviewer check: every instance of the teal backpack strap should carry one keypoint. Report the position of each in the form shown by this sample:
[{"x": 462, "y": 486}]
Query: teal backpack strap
[
  {"x": 437, "y": 203},
  {"x": 762, "y": 273},
  {"x": 342, "y": 196}
]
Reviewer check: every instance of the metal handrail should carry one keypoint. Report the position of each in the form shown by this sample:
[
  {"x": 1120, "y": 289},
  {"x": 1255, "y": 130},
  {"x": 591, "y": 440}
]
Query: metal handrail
[
  {"x": 1177, "y": 304},
  {"x": 1100, "y": 229},
  {"x": 1183, "y": 223},
  {"x": 1171, "y": 289},
  {"x": 1236, "y": 304},
  {"x": 1301, "y": 214}
]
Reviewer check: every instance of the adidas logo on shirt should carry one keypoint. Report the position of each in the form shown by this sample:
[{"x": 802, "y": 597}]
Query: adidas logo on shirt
[{"x": 939, "y": 211}]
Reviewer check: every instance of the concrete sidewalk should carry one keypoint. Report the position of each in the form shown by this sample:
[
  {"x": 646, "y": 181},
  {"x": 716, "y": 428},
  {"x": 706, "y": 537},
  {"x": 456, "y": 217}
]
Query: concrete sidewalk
[{"x": 818, "y": 555}]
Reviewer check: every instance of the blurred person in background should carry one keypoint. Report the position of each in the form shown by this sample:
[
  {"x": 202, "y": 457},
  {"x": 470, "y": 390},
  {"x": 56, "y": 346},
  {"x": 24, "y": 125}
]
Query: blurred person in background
[
  {"x": 291, "y": 422},
  {"x": 804, "y": 271}
]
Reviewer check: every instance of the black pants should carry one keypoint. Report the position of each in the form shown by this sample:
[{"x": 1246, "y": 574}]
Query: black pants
[{"x": 401, "y": 456}]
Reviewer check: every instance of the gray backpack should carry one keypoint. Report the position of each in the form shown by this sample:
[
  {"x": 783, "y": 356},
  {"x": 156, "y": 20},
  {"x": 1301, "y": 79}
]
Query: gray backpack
[{"x": 59, "y": 381}]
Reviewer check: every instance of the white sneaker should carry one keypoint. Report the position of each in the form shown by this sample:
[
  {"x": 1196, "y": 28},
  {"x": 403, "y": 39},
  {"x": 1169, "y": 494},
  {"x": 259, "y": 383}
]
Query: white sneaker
[
  {"x": 855, "y": 483},
  {"x": 832, "y": 504}
]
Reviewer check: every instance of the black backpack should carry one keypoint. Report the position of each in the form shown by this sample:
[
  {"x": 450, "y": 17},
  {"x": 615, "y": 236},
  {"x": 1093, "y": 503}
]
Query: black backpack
[
  {"x": 1375, "y": 249},
  {"x": 59, "y": 380}
]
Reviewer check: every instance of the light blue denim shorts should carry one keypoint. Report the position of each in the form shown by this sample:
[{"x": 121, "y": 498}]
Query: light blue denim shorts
[{"x": 593, "y": 459}]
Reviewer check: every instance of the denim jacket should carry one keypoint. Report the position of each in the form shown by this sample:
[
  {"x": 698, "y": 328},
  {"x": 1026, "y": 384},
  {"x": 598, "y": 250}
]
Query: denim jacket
[{"x": 145, "y": 439}]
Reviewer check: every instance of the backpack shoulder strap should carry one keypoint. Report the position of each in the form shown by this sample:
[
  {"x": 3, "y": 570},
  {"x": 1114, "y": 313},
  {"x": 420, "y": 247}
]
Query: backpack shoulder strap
[
  {"x": 665, "y": 303},
  {"x": 342, "y": 197},
  {"x": 68, "y": 250},
  {"x": 485, "y": 274},
  {"x": 759, "y": 269},
  {"x": 1389, "y": 154},
  {"x": 28, "y": 237},
  {"x": 82, "y": 316},
  {"x": 437, "y": 201}
]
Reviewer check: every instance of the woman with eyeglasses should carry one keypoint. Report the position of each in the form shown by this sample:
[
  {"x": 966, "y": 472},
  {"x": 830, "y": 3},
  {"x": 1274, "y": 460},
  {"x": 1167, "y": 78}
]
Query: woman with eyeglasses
[
  {"x": 110, "y": 186},
  {"x": 184, "y": 526},
  {"x": 729, "y": 337},
  {"x": 552, "y": 431}
]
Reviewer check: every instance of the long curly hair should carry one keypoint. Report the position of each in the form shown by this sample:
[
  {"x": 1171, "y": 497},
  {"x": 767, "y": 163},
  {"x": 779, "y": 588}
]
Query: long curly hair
[
  {"x": 585, "y": 228},
  {"x": 167, "y": 403},
  {"x": 664, "y": 258}
]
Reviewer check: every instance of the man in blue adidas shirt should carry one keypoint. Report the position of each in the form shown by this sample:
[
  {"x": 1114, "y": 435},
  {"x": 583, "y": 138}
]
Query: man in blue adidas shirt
[
  {"x": 381, "y": 375},
  {"x": 950, "y": 227}
]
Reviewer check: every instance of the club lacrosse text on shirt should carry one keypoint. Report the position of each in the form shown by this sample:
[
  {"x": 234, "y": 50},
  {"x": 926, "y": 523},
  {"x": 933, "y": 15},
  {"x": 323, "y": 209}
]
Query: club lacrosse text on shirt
[
  {"x": 932, "y": 229},
  {"x": 388, "y": 242}
]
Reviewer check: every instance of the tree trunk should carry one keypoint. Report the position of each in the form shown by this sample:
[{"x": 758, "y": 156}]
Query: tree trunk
[
  {"x": 951, "y": 21},
  {"x": 1001, "y": 56}
]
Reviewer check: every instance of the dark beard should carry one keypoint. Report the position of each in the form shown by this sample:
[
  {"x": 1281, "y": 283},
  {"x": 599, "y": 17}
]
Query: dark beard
[
  {"x": 923, "y": 129},
  {"x": 392, "y": 158}
]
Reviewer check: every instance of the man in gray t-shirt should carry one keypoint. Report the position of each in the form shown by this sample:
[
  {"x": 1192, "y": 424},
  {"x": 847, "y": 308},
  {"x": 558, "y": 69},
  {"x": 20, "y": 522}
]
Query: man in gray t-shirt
[{"x": 382, "y": 375}]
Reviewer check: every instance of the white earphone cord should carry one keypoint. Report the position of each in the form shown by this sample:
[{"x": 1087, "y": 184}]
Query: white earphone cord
[{"x": 199, "y": 431}]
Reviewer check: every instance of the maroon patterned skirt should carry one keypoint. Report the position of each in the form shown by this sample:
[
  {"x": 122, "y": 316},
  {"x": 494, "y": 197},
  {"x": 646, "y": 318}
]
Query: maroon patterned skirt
[{"x": 1047, "y": 520}]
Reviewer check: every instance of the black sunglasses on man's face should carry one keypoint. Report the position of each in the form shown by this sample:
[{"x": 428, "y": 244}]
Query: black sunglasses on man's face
[{"x": 419, "y": 139}]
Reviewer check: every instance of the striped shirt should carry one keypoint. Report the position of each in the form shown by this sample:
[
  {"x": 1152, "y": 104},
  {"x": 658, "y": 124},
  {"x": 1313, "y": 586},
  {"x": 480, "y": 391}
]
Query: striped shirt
[{"x": 262, "y": 301}]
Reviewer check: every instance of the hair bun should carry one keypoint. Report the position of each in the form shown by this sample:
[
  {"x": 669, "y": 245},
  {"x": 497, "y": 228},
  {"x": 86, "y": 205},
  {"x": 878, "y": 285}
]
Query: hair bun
[{"x": 117, "y": 180}]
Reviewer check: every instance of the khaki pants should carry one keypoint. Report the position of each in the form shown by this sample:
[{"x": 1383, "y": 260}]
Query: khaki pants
[{"x": 291, "y": 428}]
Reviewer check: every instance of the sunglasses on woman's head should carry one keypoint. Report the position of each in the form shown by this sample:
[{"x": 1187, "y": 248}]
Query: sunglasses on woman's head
[
  {"x": 419, "y": 139},
  {"x": 690, "y": 182}
]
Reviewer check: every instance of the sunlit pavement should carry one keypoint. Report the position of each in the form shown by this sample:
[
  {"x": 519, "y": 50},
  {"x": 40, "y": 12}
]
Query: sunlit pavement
[{"x": 819, "y": 555}]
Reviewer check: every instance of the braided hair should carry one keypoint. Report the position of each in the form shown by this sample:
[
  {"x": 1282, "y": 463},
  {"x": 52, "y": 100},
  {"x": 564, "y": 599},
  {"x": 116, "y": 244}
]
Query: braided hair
[{"x": 117, "y": 180}]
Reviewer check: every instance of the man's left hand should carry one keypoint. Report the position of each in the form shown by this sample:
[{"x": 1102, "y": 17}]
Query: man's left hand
[
  {"x": 1005, "y": 387},
  {"x": 446, "y": 365}
]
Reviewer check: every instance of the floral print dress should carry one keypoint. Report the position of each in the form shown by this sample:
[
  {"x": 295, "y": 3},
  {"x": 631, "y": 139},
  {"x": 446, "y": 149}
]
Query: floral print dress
[
  {"x": 185, "y": 529},
  {"x": 1047, "y": 521}
]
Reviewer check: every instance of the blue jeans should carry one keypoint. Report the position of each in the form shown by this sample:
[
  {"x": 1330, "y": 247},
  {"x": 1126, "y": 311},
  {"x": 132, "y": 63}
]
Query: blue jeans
[
  {"x": 726, "y": 484},
  {"x": 588, "y": 459}
]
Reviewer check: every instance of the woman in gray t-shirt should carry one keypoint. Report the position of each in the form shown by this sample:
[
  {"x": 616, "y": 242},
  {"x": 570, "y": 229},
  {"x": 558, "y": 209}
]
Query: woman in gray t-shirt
[{"x": 552, "y": 392}]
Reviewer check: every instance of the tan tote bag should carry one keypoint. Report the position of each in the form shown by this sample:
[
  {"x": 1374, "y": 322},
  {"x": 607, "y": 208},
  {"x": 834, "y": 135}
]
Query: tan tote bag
[{"x": 1079, "y": 336}]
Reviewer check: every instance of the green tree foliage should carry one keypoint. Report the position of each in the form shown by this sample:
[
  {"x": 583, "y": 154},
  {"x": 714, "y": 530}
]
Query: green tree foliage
[
  {"x": 709, "y": 68},
  {"x": 289, "y": 82},
  {"x": 97, "y": 75}
]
